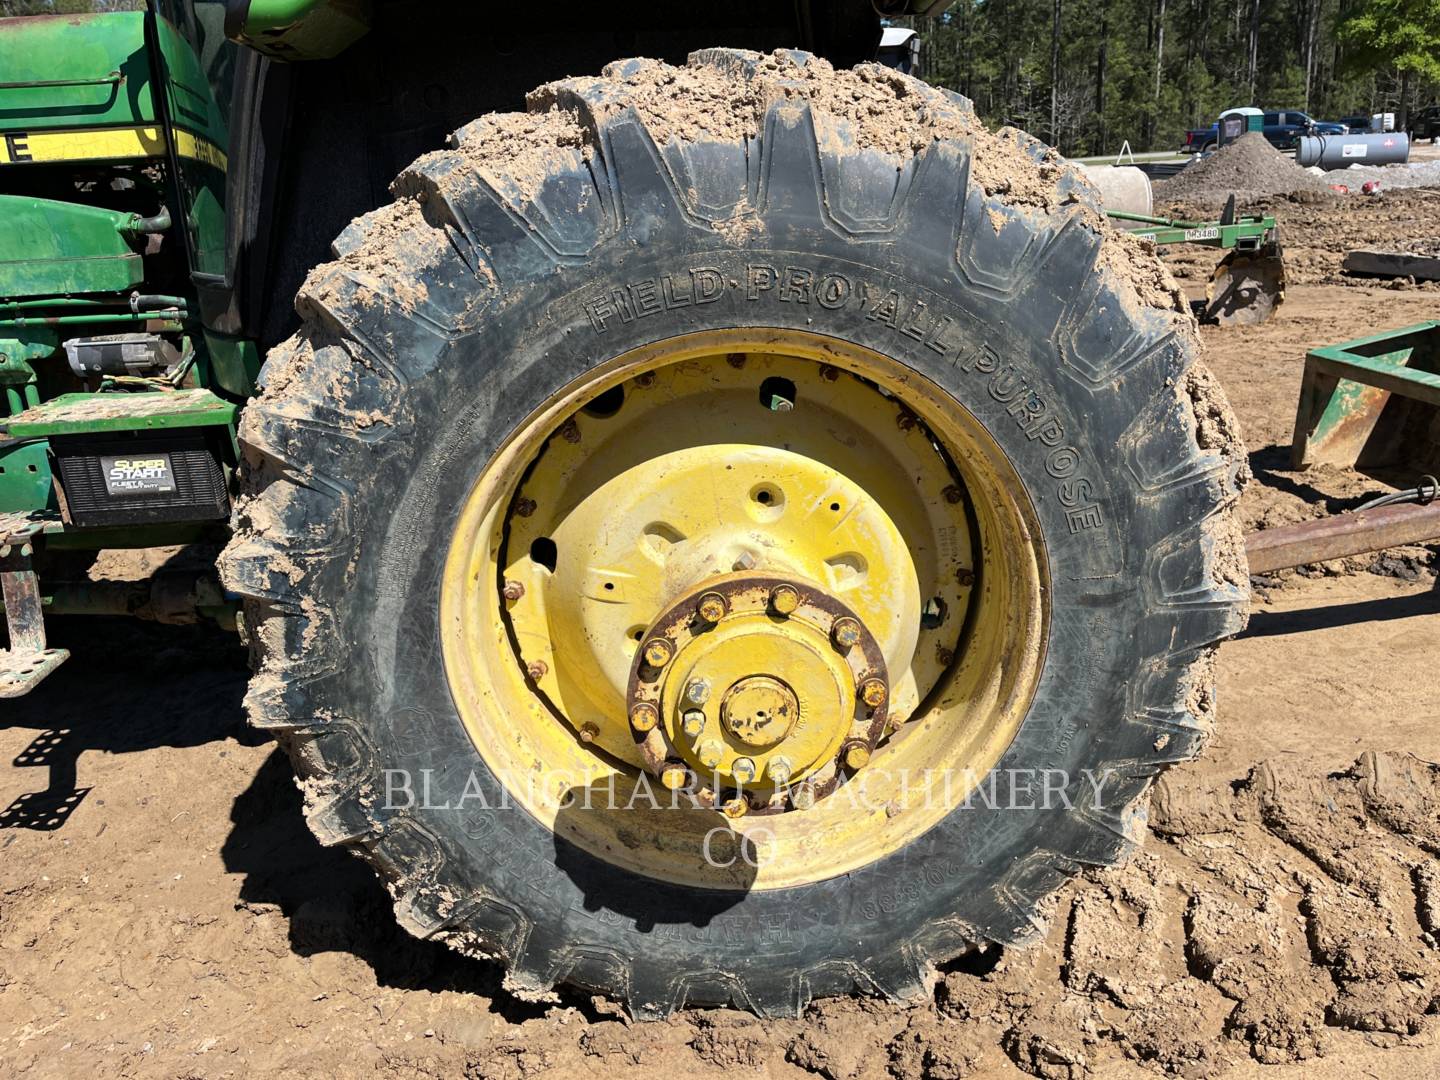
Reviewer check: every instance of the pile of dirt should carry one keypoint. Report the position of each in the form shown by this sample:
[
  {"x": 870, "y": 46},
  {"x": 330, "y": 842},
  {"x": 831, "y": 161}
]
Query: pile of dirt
[{"x": 1249, "y": 167}]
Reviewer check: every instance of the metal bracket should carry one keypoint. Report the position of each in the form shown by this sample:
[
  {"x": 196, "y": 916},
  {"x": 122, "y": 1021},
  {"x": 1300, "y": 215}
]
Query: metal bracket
[{"x": 27, "y": 661}]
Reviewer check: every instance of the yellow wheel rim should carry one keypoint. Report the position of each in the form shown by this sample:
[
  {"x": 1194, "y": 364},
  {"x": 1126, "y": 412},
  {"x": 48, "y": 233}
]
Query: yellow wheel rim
[{"x": 783, "y": 574}]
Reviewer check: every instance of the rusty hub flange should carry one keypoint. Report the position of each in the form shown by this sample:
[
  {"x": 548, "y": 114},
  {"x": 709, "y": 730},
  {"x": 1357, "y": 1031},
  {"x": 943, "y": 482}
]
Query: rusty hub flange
[{"x": 685, "y": 621}]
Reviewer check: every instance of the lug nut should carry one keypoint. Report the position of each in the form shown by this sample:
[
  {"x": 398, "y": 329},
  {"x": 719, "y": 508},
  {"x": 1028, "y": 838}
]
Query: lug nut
[
  {"x": 857, "y": 755},
  {"x": 743, "y": 562},
  {"x": 965, "y": 576},
  {"x": 710, "y": 752},
  {"x": 644, "y": 716},
  {"x": 778, "y": 771},
  {"x": 524, "y": 507},
  {"x": 803, "y": 796},
  {"x": 846, "y": 632},
  {"x": 570, "y": 431},
  {"x": 712, "y": 607},
  {"x": 512, "y": 591},
  {"x": 658, "y": 652},
  {"x": 693, "y": 722},
  {"x": 734, "y": 808},
  {"x": 743, "y": 770},
  {"x": 674, "y": 775},
  {"x": 953, "y": 494},
  {"x": 784, "y": 599},
  {"x": 873, "y": 692},
  {"x": 698, "y": 691},
  {"x": 589, "y": 732},
  {"x": 537, "y": 669}
]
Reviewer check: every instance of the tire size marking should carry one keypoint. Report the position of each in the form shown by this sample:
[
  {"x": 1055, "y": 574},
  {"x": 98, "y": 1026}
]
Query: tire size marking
[{"x": 908, "y": 317}]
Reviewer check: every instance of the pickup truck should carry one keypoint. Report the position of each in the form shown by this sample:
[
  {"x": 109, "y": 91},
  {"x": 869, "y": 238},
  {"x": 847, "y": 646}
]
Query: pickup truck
[
  {"x": 1200, "y": 140},
  {"x": 1284, "y": 129},
  {"x": 1424, "y": 123}
]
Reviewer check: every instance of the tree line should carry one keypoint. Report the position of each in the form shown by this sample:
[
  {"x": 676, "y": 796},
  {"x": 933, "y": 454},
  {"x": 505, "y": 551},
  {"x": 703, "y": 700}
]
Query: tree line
[{"x": 1089, "y": 74}]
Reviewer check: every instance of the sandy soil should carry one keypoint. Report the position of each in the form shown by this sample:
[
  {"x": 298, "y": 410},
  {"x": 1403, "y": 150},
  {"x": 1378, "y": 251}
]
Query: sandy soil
[{"x": 164, "y": 912}]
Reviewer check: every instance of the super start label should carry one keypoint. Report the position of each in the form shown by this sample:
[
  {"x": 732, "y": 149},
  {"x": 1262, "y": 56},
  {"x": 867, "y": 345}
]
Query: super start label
[
  {"x": 907, "y": 316},
  {"x": 150, "y": 474}
]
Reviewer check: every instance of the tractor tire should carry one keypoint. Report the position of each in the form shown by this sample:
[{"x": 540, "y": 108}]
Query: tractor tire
[{"x": 654, "y": 280}]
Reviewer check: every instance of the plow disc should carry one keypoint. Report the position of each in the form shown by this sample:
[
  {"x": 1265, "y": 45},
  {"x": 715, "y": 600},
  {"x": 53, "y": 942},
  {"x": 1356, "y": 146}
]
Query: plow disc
[{"x": 1246, "y": 287}]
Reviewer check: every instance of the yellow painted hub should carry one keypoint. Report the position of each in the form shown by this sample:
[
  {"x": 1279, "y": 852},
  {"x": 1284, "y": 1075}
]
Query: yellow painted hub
[
  {"x": 759, "y": 711},
  {"x": 661, "y": 502}
]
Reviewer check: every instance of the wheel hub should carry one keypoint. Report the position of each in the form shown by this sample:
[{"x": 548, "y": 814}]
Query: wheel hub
[{"x": 764, "y": 731}]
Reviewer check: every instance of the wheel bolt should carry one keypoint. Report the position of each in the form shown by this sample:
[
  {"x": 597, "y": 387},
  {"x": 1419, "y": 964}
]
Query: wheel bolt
[
  {"x": 698, "y": 691},
  {"x": 857, "y": 755},
  {"x": 803, "y": 797},
  {"x": 674, "y": 775},
  {"x": 589, "y": 732},
  {"x": 537, "y": 669},
  {"x": 846, "y": 632},
  {"x": 743, "y": 770},
  {"x": 953, "y": 494},
  {"x": 710, "y": 752},
  {"x": 712, "y": 607},
  {"x": 658, "y": 652},
  {"x": 524, "y": 507},
  {"x": 644, "y": 716},
  {"x": 693, "y": 722},
  {"x": 965, "y": 576},
  {"x": 784, "y": 599},
  {"x": 873, "y": 692},
  {"x": 778, "y": 770},
  {"x": 512, "y": 591},
  {"x": 734, "y": 808}
]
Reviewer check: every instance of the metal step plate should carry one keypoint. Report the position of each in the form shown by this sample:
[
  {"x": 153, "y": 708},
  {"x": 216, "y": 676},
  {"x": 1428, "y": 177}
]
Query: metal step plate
[{"x": 22, "y": 672}]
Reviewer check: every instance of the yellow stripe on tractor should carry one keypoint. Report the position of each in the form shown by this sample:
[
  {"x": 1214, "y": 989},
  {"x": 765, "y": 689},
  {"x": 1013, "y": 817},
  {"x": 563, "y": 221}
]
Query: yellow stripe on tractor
[{"x": 103, "y": 144}]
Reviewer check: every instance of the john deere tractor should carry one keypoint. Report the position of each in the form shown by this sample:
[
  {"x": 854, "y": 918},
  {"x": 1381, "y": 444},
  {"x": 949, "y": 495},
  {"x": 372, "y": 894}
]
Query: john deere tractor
[{"x": 723, "y": 528}]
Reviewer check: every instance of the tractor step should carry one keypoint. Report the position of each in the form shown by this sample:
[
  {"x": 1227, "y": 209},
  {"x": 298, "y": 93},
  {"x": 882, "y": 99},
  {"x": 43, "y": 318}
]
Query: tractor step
[
  {"x": 27, "y": 661},
  {"x": 21, "y": 672}
]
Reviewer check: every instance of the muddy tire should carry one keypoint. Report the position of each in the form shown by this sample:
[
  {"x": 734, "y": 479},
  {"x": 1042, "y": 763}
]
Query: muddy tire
[{"x": 756, "y": 195}]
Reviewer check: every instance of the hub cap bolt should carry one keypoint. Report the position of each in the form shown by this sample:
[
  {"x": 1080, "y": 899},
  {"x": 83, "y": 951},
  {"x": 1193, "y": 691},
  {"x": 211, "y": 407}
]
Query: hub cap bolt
[
  {"x": 658, "y": 652},
  {"x": 803, "y": 797},
  {"x": 743, "y": 770},
  {"x": 644, "y": 717},
  {"x": 537, "y": 669},
  {"x": 873, "y": 692},
  {"x": 857, "y": 755},
  {"x": 784, "y": 599},
  {"x": 693, "y": 722},
  {"x": 846, "y": 632},
  {"x": 674, "y": 775},
  {"x": 734, "y": 808},
  {"x": 712, "y": 607},
  {"x": 778, "y": 771},
  {"x": 710, "y": 752},
  {"x": 589, "y": 732},
  {"x": 513, "y": 591},
  {"x": 698, "y": 692}
]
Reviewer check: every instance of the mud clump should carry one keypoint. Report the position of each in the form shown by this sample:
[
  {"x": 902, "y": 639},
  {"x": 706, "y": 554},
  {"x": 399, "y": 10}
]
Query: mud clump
[{"x": 1248, "y": 168}]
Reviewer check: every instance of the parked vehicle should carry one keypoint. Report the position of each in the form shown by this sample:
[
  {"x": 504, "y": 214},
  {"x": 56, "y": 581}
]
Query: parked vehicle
[
  {"x": 1200, "y": 140},
  {"x": 1284, "y": 129},
  {"x": 1424, "y": 123},
  {"x": 1355, "y": 124}
]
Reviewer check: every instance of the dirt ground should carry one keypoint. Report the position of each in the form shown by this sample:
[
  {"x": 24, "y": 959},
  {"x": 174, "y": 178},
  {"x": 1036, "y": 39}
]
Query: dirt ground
[{"x": 164, "y": 912}]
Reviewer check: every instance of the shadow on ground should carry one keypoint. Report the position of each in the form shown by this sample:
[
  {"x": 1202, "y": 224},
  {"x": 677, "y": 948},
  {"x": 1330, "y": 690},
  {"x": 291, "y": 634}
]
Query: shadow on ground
[{"x": 131, "y": 687}]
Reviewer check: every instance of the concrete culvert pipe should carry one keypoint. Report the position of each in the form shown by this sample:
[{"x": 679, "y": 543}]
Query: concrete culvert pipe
[{"x": 1122, "y": 187}]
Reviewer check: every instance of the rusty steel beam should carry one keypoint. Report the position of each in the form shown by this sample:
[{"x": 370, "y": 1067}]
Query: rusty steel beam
[{"x": 1342, "y": 534}]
